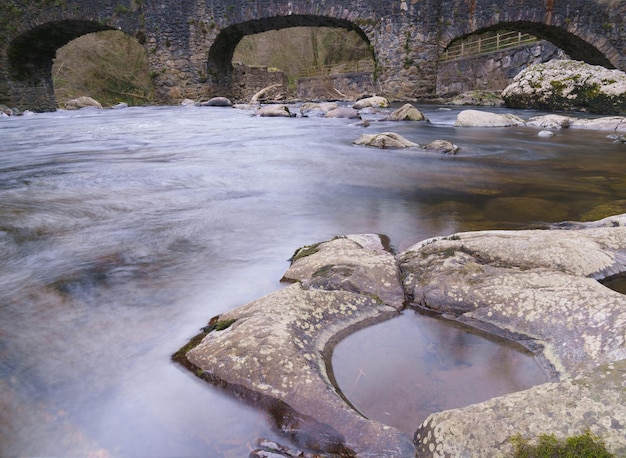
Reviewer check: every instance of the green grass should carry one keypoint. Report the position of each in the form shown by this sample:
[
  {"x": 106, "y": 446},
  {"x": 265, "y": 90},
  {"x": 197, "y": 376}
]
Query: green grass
[{"x": 586, "y": 445}]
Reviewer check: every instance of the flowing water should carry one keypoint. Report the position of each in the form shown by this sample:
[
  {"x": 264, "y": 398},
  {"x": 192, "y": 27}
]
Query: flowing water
[{"x": 122, "y": 232}]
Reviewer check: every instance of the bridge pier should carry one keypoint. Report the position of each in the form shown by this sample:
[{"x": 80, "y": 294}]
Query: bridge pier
[{"x": 35, "y": 93}]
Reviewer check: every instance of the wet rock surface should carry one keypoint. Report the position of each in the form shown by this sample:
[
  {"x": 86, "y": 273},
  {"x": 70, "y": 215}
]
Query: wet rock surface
[
  {"x": 537, "y": 288},
  {"x": 407, "y": 112},
  {"x": 541, "y": 290},
  {"x": 276, "y": 350},
  {"x": 590, "y": 402},
  {"x": 385, "y": 140}
]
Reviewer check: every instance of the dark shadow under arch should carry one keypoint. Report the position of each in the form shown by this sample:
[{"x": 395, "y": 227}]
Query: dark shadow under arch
[
  {"x": 572, "y": 45},
  {"x": 31, "y": 54},
  {"x": 219, "y": 63}
]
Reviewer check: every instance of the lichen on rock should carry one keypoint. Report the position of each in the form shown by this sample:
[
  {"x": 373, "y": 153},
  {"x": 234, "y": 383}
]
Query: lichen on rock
[
  {"x": 276, "y": 350},
  {"x": 568, "y": 85}
]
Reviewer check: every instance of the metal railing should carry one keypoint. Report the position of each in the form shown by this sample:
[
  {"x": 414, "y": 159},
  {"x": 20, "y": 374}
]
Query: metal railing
[
  {"x": 365, "y": 65},
  {"x": 478, "y": 46}
]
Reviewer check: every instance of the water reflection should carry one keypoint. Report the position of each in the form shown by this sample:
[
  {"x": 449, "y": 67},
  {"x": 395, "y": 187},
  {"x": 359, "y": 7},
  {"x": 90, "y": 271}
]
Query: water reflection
[{"x": 401, "y": 371}]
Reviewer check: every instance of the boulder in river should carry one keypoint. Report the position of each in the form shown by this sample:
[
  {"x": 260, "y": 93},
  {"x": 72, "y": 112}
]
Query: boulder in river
[
  {"x": 274, "y": 111},
  {"x": 406, "y": 112},
  {"x": 551, "y": 121},
  {"x": 217, "y": 102},
  {"x": 275, "y": 350},
  {"x": 313, "y": 109},
  {"x": 568, "y": 85},
  {"x": 343, "y": 112},
  {"x": 478, "y": 98},
  {"x": 82, "y": 102},
  {"x": 441, "y": 146},
  {"x": 479, "y": 118},
  {"x": 371, "y": 102},
  {"x": 385, "y": 140}
]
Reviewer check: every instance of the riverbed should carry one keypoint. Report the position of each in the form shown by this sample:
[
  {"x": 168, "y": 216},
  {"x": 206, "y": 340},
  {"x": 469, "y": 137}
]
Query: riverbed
[{"x": 122, "y": 232}]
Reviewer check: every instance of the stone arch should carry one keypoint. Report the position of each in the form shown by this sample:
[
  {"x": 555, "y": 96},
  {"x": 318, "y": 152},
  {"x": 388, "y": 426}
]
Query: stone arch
[
  {"x": 585, "y": 48},
  {"x": 31, "y": 53},
  {"x": 30, "y": 57},
  {"x": 220, "y": 55}
]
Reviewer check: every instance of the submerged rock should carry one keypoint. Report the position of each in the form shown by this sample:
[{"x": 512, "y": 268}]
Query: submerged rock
[
  {"x": 477, "y": 118},
  {"x": 522, "y": 209},
  {"x": 385, "y": 140}
]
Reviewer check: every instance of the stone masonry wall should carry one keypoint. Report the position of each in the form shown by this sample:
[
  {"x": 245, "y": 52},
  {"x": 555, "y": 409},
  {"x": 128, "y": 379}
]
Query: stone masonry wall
[
  {"x": 247, "y": 81},
  {"x": 349, "y": 86},
  {"x": 190, "y": 42},
  {"x": 493, "y": 71}
]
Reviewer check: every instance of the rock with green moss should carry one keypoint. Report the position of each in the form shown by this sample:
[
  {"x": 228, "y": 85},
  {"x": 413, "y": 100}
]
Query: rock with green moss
[
  {"x": 542, "y": 290},
  {"x": 587, "y": 412},
  {"x": 568, "y": 85},
  {"x": 478, "y": 98},
  {"x": 276, "y": 350},
  {"x": 537, "y": 287}
]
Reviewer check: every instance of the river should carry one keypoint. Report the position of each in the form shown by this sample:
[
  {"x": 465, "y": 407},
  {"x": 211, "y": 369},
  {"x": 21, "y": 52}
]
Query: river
[{"x": 122, "y": 232}]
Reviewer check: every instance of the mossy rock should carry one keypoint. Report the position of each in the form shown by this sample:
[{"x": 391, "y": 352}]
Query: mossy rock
[
  {"x": 585, "y": 445},
  {"x": 604, "y": 210},
  {"x": 523, "y": 209}
]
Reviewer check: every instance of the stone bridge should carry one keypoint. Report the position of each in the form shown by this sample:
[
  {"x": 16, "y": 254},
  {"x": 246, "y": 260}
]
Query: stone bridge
[{"x": 190, "y": 43}]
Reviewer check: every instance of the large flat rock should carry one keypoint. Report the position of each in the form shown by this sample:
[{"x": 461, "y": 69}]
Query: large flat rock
[
  {"x": 277, "y": 351},
  {"x": 539, "y": 288},
  {"x": 592, "y": 402}
]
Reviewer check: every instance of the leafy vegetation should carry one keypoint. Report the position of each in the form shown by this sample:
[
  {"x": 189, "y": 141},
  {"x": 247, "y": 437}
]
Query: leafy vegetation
[
  {"x": 585, "y": 445},
  {"x": 109, "y": 66},
  {"x": 297, "y": 50}
]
